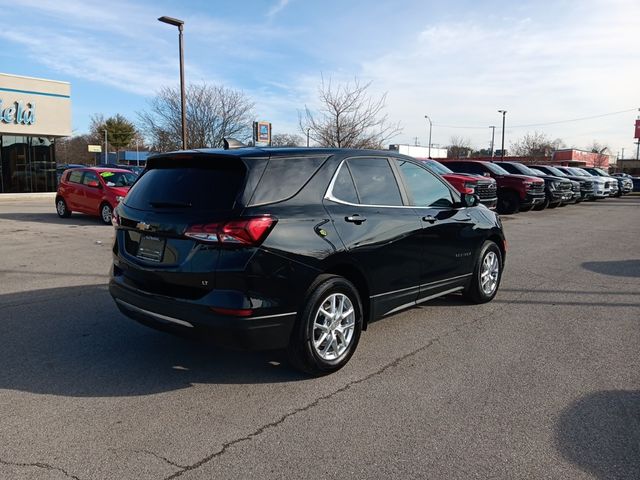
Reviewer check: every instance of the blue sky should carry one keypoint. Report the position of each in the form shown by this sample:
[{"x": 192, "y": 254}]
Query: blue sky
[{"x": 457, "y": 61}]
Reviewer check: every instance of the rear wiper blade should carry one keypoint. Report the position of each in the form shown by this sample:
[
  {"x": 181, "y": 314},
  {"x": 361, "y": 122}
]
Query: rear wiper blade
[{"x": 167, "y": 204}]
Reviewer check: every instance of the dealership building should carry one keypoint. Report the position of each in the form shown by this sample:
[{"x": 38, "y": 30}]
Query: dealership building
[{"x": 33, "y": 113}]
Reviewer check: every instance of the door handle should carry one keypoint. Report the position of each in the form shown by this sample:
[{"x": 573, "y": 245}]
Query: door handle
[
  {"x": 429, "y": 218},
  {"x": 355, "y": 218}
]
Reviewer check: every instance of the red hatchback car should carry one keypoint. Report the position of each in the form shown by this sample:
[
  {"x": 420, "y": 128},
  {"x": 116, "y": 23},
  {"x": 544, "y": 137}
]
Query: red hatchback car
[{"x": 94, "y": 191}]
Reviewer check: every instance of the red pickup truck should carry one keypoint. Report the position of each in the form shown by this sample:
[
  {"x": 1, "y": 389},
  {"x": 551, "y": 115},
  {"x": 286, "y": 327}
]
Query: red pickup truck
[
  {"x": 515, "y": 192},
  {"x": 484, "y": 187}
]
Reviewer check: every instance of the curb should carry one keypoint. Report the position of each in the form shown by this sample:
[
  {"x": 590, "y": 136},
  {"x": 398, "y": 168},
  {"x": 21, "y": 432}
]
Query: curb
[{"x": 13, "y": 197}]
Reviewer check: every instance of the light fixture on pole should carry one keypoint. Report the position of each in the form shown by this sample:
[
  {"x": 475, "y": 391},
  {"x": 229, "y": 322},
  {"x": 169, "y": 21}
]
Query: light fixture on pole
[
  {"x": 493, "y": 134},
  {"x": 430, "y": 127},
  {"x": 503, "y": 112},
  {"x": 180, "y": 24}
]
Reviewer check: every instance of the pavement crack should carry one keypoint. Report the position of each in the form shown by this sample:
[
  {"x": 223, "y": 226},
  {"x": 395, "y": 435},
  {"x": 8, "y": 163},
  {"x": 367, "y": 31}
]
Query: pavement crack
[
  {"x": 226, "y": 446},
  {"x": 160, "y": 457},
  {"x": 42, "y": 465}
]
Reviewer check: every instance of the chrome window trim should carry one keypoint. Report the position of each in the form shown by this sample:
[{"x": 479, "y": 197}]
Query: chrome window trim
[{"x": 329, "y": 193}]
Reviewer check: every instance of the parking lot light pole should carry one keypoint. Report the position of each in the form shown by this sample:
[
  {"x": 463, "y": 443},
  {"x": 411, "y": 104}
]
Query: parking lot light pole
[
  {"x": 430, "y": 127},
  {"x": 493, "y": 134},
  {"x": 503, "y": 112},
  {"x": 106, "y": 147},
  {"x": 180, "y": 24},
  {"x": 308, "y": 129}
]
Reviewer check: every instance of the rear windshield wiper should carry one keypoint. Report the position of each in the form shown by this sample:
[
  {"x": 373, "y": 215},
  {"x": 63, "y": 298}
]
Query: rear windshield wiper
[{"x": 167, "y": 204}]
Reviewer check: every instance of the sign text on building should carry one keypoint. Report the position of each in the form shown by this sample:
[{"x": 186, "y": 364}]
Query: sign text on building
[{"x": 19, "y": 113}]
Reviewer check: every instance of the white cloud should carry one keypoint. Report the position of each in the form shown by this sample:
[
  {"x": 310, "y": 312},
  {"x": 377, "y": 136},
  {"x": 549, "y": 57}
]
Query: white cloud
[{"x": 279, "y": 5}]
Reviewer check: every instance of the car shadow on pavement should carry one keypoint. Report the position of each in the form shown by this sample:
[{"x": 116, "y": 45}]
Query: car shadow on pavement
[
  {"x": 617, "y": 268},
  {"x": 77, "y": 219},
  {"x": 600, "y": 433},
  {"x": 74, "y": 342}
]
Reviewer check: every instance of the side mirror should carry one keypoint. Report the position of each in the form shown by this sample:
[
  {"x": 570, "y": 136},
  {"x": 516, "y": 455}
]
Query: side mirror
[
  {"x": 470, "y": 200},
  {"x": 93, "y": 184}
]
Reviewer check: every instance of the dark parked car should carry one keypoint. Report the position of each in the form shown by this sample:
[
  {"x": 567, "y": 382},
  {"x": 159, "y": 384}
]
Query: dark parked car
[
  {"x": 515, "y": 192},
  {"x": 586, "y": 185},
  {"x": 556, "y": 189},
  {"x": 295, "y": 248}
]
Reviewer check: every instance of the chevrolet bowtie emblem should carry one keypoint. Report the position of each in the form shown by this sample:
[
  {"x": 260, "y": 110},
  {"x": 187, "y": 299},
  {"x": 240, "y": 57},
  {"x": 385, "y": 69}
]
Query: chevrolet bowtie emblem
[{"x": 143, "y": 226}]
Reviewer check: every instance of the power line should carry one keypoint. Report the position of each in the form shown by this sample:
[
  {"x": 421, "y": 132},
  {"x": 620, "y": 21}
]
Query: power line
[{"x": 541, "y": 124}]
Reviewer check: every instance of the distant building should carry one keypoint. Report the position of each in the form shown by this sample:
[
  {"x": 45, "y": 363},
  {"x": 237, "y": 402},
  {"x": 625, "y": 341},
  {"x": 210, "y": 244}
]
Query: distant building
[
  {"x": 33, "y": 113},
  {"x": 628, "y": 165},
  {"x": 124, "y": 157},
  {"x": 417, "y": 151},
  {"x": 569, "y": 157}
]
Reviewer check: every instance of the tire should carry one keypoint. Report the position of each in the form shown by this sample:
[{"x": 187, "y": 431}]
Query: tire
[
  {"x": 62, "y": 209},
  {"x": 508, "y": 202},
  {"x": 489, "y": 262},
  {"x": 307, "y": 350},
  {"x": 106, "y": 213},
  {"x": 553, "y": 205}
]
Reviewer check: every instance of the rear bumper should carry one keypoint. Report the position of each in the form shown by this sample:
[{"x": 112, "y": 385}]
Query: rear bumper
[{"x": 260, "y": 331}]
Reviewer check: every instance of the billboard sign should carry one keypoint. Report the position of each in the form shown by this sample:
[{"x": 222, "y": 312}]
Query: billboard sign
[
  {"x": 262, "y": 132},
  {"x": 637, "y": 135},
  {"x": 95, "y": 148}
]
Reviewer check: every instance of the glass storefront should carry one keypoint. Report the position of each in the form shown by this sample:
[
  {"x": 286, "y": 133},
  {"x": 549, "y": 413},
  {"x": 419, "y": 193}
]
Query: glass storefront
[{"x": 27, "y": 164}]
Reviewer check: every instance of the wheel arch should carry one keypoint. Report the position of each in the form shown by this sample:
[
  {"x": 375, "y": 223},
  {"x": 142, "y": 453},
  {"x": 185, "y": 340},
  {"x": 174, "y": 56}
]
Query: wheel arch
[{"x": 355, "y": 276}]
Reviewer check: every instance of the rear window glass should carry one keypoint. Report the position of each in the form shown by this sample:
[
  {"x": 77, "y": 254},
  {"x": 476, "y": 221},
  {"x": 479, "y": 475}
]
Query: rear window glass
[
  {"x": 211, "y": 188},
  {"x": 284, "y": 177}
]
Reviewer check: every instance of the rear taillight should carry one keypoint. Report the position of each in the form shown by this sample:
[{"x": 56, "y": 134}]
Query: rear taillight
[{"x": 245, "y": 231}]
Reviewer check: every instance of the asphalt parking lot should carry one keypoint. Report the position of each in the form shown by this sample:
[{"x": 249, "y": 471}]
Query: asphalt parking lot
[{"x": 543, "y": 382}]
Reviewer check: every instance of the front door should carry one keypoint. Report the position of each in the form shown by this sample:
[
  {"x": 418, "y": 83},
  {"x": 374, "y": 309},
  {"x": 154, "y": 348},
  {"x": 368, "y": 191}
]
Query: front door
[{"x": 448, "y": 237}]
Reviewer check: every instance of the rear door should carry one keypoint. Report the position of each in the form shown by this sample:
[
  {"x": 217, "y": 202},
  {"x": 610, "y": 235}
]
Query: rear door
[
  {"x": 448, "y": 237},
  {"x": 381, "y": 233}
]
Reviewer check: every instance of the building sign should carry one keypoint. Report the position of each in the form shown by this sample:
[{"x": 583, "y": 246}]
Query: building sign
[
  {"x": 637, "y": 129},
  {"x": 262, "y": 132},
  {"x": 95, "y": 148},
  {"x": 20, "y": 113},
  {"x": 34, "y": 107}
]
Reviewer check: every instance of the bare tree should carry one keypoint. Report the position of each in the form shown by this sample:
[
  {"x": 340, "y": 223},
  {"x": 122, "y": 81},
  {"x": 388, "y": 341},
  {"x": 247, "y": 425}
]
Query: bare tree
[
  {"x": 535, "y": 145},
  {"x": 74, "y": 150},
  {"x": 601, "y": 151},
  {"x": 348, "y": 117},
  {"x": 459, "y": 147},
  {"x": 213, "y": 113},
  {"x": 286, "y": 140}
]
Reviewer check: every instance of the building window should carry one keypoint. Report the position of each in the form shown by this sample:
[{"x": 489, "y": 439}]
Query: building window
[{"x": 27, "y": 164}]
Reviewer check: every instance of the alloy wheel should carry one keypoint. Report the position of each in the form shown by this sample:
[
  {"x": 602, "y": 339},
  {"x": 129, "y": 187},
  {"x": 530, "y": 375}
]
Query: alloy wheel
[
  {"x": 489, "y": 273},
  {"x": 61, "y": 207},
  {"x": 106, "y": 213},
  {"x": 333, "y": 327}
]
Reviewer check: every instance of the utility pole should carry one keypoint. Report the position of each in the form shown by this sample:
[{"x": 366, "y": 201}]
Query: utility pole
[
  {"x": 308, "y": 137},
  {"x": 493, "y": 134},
  {"x": 503, "y": 112},
  {"x": 622, "y": 153},
  {"x": 106, "y": 147}
]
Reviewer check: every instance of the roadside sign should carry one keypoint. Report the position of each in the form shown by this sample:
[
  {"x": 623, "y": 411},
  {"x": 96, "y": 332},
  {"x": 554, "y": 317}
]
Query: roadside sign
[
  {"x": 262, "y": 132},
  {"x": 637, "y": 129},
  {"x": 95, "y": 148}
]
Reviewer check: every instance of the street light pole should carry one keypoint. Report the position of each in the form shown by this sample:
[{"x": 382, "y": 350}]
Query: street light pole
[
  {"x": 308, "y": 137},
  {"x": 106, "y": 147},
  {"x": 180, "y": 24},
  {"x": 493, "y": 134},
  {"x": 430, "y": 127},
  {"x": 503, "y": 112}
]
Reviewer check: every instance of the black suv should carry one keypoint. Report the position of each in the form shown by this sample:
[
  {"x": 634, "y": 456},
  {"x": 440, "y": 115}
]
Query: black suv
[{"x": 296, "y": 248}]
